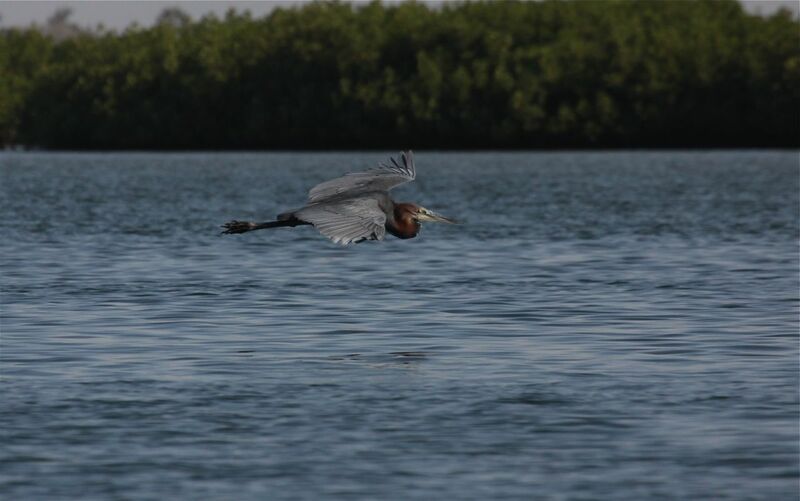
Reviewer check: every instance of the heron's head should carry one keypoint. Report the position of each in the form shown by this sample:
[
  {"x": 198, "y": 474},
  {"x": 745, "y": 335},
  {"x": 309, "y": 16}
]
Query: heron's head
[{"x": 422, "y": 214}]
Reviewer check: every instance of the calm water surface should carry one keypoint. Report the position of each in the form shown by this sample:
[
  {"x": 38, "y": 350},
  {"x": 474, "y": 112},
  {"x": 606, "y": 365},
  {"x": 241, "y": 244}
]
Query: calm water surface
[{"x": 603, "y": 326}]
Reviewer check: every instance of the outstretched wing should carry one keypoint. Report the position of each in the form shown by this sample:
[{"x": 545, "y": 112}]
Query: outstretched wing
[
  {"x": 382, "y": 178},
  {"x": 346, "y": 221}
]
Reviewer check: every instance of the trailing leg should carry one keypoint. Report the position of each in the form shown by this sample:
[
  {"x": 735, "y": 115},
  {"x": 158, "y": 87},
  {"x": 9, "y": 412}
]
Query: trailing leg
[{"x": 234, "y": 227}]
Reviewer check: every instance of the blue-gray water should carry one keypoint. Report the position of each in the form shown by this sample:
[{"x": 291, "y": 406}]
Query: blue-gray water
[{"x": 602, "y": 326}]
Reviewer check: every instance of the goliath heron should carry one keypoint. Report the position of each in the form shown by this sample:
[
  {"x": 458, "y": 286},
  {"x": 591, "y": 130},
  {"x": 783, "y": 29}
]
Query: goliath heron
[{"x": 356, "y": 207}]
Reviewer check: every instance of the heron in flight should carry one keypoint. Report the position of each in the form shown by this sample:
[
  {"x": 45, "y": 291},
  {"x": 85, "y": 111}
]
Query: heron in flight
[{"x": 356, "y": 207}]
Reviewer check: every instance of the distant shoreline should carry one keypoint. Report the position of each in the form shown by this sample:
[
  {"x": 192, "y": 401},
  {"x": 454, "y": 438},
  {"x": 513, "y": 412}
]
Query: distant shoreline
[{"x": 471, "y": 75}]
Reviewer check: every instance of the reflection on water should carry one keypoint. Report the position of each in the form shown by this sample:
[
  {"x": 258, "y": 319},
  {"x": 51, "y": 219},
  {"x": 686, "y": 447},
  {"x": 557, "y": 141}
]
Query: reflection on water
[{"x": 604, "y": 325}]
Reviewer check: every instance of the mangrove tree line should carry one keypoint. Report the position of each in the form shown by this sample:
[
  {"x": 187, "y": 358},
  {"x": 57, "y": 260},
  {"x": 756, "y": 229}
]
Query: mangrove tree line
[{"x": 491, "y": 74}]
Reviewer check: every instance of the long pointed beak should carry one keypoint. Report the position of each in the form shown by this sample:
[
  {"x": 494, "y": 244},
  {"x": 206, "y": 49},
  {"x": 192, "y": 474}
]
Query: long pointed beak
[{"x": 431, "y": 216}]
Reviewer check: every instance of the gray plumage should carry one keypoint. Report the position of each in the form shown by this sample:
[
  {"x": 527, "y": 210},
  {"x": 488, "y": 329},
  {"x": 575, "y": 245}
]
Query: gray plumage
[
  {"x": 356, "y": 207},
  {"x": 382, "y": 178},
  {"x": 347, "y": 220}
]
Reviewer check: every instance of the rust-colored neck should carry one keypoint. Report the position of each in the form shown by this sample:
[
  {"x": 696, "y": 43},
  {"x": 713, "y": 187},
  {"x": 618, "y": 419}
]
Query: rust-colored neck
[{"x": 403, "y": 224}]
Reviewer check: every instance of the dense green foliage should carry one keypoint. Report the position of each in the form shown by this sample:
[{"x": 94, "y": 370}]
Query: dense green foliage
[{"x": 468, "y": 75}]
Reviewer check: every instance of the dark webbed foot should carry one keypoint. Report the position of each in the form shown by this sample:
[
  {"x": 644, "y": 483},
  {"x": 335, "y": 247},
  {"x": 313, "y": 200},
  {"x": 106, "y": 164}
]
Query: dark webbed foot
[{"x": 234, "y": 227}]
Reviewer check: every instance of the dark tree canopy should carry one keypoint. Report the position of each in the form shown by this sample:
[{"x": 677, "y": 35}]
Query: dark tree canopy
[{"x": 469, "y": 75}]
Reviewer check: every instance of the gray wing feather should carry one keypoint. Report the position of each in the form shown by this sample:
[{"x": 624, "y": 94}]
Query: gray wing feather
[
  {"x": 382, "y": 178},
  {"x": 346, "y": 221}
]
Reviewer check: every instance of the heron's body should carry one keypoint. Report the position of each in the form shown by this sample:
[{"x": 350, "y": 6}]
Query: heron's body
[{"x": 356, "y": 207}]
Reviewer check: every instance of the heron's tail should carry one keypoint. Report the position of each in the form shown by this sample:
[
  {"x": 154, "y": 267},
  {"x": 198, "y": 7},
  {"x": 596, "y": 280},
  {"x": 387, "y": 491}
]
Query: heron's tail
[{"x": 245, "y": 226}]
